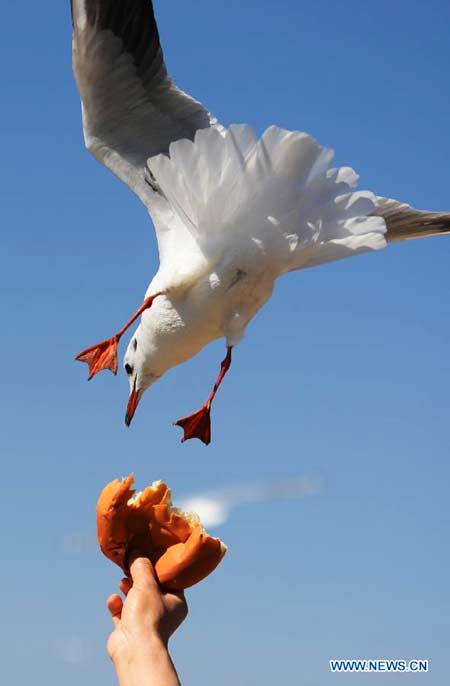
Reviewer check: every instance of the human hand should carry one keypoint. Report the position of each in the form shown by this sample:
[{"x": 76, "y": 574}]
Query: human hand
[{"x": 143, "y": 625}]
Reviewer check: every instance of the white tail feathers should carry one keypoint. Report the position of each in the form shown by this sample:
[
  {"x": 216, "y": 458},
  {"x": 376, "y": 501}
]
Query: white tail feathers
[{"x": 228, "y": 187}]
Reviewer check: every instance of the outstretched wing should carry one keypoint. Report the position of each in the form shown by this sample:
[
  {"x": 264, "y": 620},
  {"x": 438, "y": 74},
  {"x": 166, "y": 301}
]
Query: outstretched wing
[
  {"x": 404, "y": 223},
  {"x": 131, "y": 108}
]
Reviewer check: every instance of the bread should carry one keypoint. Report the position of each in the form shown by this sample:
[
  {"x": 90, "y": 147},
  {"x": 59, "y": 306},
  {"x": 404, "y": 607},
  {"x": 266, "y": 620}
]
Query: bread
[{"x": 181, "y": 551}]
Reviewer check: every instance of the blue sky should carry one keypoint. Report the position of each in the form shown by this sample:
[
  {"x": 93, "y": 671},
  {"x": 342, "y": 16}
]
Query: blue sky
[{"x": 345, "y": 374}]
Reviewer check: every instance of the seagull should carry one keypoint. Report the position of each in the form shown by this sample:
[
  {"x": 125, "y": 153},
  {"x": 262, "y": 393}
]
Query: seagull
[{"x": 231, "y": 212}]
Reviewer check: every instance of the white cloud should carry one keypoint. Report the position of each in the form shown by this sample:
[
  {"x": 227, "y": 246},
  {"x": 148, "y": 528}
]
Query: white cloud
[
  {"x": 75, "y": 650},
  {"x": 215, "y": 507},
  {"x": 212, "y": 512}
]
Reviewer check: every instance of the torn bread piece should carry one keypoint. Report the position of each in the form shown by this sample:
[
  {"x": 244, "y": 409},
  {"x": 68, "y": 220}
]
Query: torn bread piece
[{"x": 181, "y": 551}]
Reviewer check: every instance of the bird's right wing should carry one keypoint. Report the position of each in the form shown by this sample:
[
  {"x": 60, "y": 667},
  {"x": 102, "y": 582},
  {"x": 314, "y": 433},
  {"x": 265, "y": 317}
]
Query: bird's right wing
[
  {"x": 404, "y": 223},
  {"x": 131, "y": 108}
]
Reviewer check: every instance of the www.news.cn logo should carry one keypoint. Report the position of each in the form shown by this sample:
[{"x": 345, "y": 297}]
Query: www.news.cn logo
[{"x": 379, "y": 666}]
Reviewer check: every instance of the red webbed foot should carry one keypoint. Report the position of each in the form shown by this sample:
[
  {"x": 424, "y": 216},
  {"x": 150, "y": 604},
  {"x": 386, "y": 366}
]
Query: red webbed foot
[
  {"x": 197, "y": 425},
  {"x": 101, "y": 356},
  {"x": 104, "y": 354}
]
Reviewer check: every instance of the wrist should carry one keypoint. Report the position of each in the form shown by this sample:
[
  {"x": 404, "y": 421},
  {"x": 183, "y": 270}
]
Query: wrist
[{"x": 146, "y": 666}]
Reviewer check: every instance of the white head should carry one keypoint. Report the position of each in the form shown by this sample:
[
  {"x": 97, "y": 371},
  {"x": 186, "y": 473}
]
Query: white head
[{"x": 139, "y": 367}]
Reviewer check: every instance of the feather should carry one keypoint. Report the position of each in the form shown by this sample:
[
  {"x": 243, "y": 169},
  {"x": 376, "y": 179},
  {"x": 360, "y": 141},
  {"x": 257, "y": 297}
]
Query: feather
[
  {"x": 131, "y": 108},
  {"x": 404, "y": 223},
  {"x": 276, "y": 195}
]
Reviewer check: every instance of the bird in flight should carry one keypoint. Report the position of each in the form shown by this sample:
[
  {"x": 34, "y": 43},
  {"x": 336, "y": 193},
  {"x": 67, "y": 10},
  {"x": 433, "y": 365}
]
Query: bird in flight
[{"x": 231, "y": 212}]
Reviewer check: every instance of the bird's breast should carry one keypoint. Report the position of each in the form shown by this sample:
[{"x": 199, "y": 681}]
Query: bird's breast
[{"x": 178, "y": 325}]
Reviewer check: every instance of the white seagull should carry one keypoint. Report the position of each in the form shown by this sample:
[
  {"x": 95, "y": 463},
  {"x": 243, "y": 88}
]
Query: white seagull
[{"x": 232, "y": 213}]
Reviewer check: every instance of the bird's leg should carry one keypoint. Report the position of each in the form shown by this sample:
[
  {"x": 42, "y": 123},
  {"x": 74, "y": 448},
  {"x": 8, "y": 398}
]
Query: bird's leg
[
  {"x": 104, "y": 354},
  {"x": 198, "y": 425}
]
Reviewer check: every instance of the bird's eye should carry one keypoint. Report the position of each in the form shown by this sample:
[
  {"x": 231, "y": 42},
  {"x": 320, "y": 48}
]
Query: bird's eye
[
  {"x": 135, "y": 343},
  {"x": 129, "y": 369}
]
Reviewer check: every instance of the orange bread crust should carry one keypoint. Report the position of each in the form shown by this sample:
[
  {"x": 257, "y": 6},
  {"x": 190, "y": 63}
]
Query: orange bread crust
[{"x": 181, "y": 551}]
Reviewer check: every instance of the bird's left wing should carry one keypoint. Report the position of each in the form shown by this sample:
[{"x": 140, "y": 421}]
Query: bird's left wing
[{"x": 131, "y": 108}]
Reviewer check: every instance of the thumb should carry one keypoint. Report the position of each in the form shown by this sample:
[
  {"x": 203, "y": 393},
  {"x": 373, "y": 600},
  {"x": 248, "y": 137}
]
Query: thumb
[{"x": 142, "y": 573}]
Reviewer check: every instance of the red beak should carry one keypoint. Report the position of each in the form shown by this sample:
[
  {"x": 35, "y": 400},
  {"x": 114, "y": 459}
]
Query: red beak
[{"x": 133, "y": 402}]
